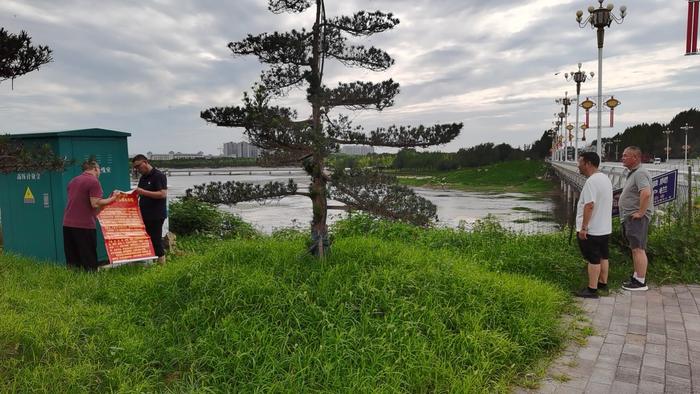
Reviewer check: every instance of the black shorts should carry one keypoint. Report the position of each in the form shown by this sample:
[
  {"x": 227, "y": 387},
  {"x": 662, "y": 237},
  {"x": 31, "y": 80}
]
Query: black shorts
[{"x": 594, "y": 248}]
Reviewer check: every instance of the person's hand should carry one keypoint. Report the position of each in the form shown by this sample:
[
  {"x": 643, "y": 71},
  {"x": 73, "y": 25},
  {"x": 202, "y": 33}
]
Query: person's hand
[
  {"x": 583, "y": 234},
  {"x": 138, "y": 191},
  {"x": 637, "y": 215}
]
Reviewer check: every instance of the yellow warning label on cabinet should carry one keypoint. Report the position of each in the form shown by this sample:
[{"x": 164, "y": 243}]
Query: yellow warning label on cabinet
[{"x": 28, "y": 196}]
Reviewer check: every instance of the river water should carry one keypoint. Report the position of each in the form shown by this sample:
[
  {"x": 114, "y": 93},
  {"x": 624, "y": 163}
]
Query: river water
[{"x": 515, "y": 211}]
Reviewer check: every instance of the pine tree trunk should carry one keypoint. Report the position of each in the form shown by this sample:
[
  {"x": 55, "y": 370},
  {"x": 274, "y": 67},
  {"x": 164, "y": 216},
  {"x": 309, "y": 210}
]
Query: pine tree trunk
[{"x": 319, "y": 229}]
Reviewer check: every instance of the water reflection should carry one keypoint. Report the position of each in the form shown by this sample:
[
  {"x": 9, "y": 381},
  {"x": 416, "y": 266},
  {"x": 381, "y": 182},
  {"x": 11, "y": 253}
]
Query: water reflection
[{"x": 515, "y": 211}]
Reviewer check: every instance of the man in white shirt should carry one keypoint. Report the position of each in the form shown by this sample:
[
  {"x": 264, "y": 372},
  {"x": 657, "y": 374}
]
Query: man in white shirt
[{"x": 594, "y": 223}]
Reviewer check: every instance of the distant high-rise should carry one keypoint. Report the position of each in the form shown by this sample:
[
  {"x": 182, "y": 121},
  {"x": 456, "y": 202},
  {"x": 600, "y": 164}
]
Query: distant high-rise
[
  {"x": 240, "y": 149},
  {"x": 357, "y": 150}
]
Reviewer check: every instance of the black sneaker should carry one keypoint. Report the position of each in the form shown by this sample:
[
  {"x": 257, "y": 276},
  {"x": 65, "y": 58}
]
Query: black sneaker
[
  {"x": 586, "y": 293},
  {"x": 634, "y": 285}
]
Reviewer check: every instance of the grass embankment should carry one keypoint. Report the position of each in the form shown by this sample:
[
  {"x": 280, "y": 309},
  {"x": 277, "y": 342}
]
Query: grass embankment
[
  {"x": 257, "y": 315},
  {"x": 524, "y": 176}
]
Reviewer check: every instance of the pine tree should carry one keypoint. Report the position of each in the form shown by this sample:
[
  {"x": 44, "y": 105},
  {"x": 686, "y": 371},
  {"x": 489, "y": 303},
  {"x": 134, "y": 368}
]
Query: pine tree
[
  {"x": 297, "y": 58},
  {"x": 19, "y": 57}
]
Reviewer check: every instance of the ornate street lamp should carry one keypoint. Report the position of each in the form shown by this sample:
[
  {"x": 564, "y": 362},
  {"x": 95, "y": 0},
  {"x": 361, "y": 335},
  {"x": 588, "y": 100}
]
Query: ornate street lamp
[
  {"x": 686, "y": 147},
  {"x": 611, "y": 103},
  {"x": 584, "y": 127},
  {"x": 579, "y": 77},
  {"x": 562, "y": 115},
  {"x": 599, "y": 19},
  {"x": 668, "y": 148},
  {"x": 565, "y": 101},
  {"x": 569, "y": 127}
]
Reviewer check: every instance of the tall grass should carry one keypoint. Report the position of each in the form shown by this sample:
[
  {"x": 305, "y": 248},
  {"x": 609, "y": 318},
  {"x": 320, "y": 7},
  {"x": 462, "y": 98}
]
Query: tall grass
[{"x": 255, "y": 315}]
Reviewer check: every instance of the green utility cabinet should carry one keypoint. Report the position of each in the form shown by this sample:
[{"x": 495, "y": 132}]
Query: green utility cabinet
[{"x": 32, "y": 203}]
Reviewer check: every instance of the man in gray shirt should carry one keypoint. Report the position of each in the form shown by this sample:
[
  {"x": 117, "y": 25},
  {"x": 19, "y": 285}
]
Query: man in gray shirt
[{"x": 636, "y": 208}]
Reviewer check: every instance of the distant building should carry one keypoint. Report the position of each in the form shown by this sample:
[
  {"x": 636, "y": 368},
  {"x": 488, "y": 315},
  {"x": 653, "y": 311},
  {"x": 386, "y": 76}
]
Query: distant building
[
  {"x": 240, "y": 149},
  {"x": 173, "y": 155},
  {"x": 357, "y": 150}
]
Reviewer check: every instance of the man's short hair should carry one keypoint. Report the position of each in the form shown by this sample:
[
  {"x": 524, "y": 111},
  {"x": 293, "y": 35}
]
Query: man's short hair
[
  {"x": 590, "y": 157},
  {"x": 637, "y": 151},
  {"x": 139, "y": 157},
  {"x": 89, "y": 165}
]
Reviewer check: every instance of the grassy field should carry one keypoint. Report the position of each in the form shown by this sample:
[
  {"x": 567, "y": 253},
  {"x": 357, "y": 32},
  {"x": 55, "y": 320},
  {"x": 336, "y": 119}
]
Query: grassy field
[
  {"x": 524, "y": 176},
  {"x": 394, "y": 308},
  {"x": 258, "y": 315}
]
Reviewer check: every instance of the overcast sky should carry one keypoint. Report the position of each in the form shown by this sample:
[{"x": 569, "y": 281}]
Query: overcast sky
[{"x": 150, "y": 67}]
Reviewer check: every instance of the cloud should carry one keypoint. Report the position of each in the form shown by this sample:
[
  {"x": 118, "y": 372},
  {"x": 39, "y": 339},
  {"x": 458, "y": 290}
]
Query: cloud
[{"x": 150, "y": 67}]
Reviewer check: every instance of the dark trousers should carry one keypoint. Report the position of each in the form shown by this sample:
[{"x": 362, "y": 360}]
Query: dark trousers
[
  {"x": 154, "y": 228},
  {"x": 80, "y": 248}
]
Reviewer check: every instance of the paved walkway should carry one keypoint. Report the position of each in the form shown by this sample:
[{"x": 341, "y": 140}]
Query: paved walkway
[{"x": 645, "y": 342}]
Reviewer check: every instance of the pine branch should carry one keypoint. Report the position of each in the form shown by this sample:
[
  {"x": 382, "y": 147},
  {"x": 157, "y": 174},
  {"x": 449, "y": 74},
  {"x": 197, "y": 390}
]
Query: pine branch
[
  {"x": 361, "y": 95},
  {"x": 363, "y": 23},
  {"x": 277, "y": 48},
  {"x": 399, "y": 137},
  {"x": 279, "y": 78},
  {"x": 18, "y": 56},
  {"x": 379, "y": 194},
  {"x": 280, "y": 6},
  {"x": 15, "y": 157},
  {"x": 232, "y": 193},
  {"x": 357, "y": 55}
]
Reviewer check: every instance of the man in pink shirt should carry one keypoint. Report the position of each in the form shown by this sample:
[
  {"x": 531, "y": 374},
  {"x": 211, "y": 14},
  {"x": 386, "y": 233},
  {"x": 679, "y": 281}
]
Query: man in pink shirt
[{"x": 79, "y": 231}]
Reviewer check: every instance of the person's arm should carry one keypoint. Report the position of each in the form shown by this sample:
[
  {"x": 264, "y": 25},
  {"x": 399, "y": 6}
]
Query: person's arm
[
  {"x": 587, "y": 213},
  {"x": 99, "y": 203},
  {"x": 158, "y": 195},
  {"x": 644, "y": 201}
]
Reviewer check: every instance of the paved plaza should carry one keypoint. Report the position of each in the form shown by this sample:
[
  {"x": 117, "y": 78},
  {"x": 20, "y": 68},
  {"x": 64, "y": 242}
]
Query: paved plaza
[{"x": 644, "y": 342}]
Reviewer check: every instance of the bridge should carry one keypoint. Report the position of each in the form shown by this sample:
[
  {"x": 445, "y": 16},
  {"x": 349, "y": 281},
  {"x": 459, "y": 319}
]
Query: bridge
[
  {"x": 572, "y": 181},
  {"x": 235, "y": 172}
]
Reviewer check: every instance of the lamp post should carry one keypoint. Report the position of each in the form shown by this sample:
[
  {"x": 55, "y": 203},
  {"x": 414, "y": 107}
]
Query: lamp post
[
  {"x": 668, "y": 148},
  {"x": 686, "y": 147},
  {"x": 569, "y": 127},
  {"x": 600, "y": 18},
  {"x": 617, "y": 145},
  {"x": 565, "y": 101},
  {"x": 562, "y": 115},
  {"x": 579, "y": 77},
  {"x": 584, "y": 127}
]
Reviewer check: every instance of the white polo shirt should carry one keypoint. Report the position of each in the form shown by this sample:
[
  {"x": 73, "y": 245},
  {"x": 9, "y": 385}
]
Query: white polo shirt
[{"x": 597, "y": 189}]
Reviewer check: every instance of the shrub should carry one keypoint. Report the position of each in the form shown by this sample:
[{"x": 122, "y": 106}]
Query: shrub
[{"x": 191, "y": 217}]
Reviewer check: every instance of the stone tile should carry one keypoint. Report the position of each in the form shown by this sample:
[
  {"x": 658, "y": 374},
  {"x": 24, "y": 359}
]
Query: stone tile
[
  {"x": 694, "y": 345},
  {"x": 623, "y": 388},
  {"x": 639, "y": 320},
  {"x": 588, "y": 354},
  {"x": 629, "y": 375},
  {"x": 694, "y": 359},
  {"x": 607, "y": 360},
  {"x": 637, "y": 329},
  {"x": 611, "y": 349},
  {"x": 651, "y": 374},
  {"x": 677, "y": 335},
  {"x": 659, "y": 350},
  {"x": 656, "y": 328},
  {"x": 655, "y": 361},
  {"x": 630, "y": 361},
  {"x": 618, "y": 329},
  {"x": 568, "y": 390},
  {"x": 577, "y": 382},
  {"x": 615, "y": 338},
  {"x": 656, "y": 338},
  {"x": 677, "y": 385},
  {"x": 677, "y": 370},
  {"x": 602, "y": 375},
  {"x": 650, "y": 388},
  {"x": 598, "y": 388},
  {"x": 693, "y": 334},
  {"x": 674, "y": 326},
  {"x": 636, "y": 350}
]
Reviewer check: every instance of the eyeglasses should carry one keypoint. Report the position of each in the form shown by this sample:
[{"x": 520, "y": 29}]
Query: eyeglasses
[{"x": 136, "y": 166}]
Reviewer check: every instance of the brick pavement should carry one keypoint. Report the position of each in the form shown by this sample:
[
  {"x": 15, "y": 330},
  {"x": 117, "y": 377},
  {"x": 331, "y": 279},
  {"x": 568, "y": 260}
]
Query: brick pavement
[{"x": 644, "y": 342}]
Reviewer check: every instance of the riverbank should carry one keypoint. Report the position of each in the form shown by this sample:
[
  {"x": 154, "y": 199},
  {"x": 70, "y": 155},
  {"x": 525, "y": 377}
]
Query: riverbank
[
  {"x": 393, "y": 308},
  {"x": 521, "y": 176}
]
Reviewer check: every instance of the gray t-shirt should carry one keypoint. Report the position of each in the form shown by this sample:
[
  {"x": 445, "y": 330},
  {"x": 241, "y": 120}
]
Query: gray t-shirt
[{"x": 637, "y": 180}]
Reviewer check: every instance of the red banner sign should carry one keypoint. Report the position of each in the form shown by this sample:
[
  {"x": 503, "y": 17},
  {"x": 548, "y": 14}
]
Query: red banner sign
[{"x": 124, "y": 233}]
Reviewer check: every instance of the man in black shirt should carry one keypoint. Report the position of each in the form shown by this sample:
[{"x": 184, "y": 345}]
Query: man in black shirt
[{"x": 153, "y": 192}]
